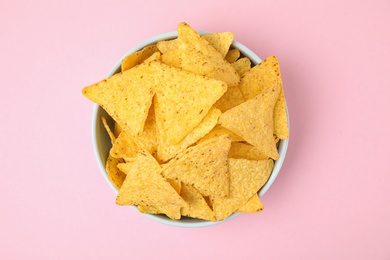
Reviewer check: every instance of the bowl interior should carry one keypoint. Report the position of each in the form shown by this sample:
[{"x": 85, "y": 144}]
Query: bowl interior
[{"x": 102, "y": 143}]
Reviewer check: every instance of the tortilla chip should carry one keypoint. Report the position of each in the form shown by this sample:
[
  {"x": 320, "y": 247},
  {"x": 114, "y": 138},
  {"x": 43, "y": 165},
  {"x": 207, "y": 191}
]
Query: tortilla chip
[
  {"x": 182, "y": 101},
  {"x": 166, "y": 151},
  {"x": 126, "y": 97},
  {"x": 218, "y": 130},
  {"x": 108, "y": 129},
  {"x": 197, "y": 205},
  {"x": 260, "y": 78},
  {"x": 115, "y": 175},
  {"x": 253, "y": 205},
  {"x": 197, "y": 55},
  {"x": 232, "y": 55},
  {"x": 204, "y": 166},
  {"x": 246, "y": 151},
  {"x": 124, "y": 146},
  {"x": 221, "y": 41},
  {"x": 246, "y": 179},
  {"x": 242, "y": 66},
  {"x": 232, "y": 98},
  {"x": 253, "y": 121},
  {"x": 138, "y": 57},
  {"x": 144, "y": 185},
  {"x": 148, "y": 138}
]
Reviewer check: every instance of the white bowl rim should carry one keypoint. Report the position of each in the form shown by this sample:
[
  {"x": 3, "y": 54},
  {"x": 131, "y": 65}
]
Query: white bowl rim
[{"x": 193, "y": 223}]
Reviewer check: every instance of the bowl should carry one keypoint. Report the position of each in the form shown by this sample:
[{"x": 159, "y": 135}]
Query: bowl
[{"x": 102, "y": 143}]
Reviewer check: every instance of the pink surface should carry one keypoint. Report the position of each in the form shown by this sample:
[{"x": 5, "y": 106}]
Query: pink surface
[{"x": 332, "y": 197}]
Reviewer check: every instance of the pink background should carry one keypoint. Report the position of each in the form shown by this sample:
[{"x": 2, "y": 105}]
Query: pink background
[{"x": 332, "y": 197}]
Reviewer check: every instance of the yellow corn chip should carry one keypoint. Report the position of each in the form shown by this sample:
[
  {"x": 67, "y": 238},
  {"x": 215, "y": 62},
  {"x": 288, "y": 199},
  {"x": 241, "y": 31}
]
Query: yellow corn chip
[
  {"x": 232, "y": 98},
  {"x": 148, "y": 138},
  {"x": 253, "y": 205},
  {"x": 245, "y": 151},
  {"x": 203, "y": 166},
  {"x": 197, "y": 205},
  {"x": 124, "y": 167},
  {"x": 182, "y": 100},
  {"x": 197, "y": 55},
  {"x": 242, "y": 66},
  {"x": 220, "y": 41},
  {"x": 126, "y": 97},
  {"x": 218, "y": 130},
  {"x": 232, "y": 55},
  {"x": 138, "y": 57},
  {"x": 124, "y": 146},
  {"x": 246, "y": 179},
  {"x": 108, "y": 129},
  {"x": 260, "y": 78},
  {"x": 115, "y": 175},
  {"x": 144, "y": 185},
  {"x": 256, "y": 126},
  {"x": 166, "y": 151}
]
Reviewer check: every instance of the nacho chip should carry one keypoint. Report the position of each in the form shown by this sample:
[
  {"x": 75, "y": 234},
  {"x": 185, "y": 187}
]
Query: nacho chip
[
  {"x": 144, "y": 185},
  {"x": 253, "y": 205},
  {"x": 260, "y": 78},
  {"x": 232, "y": 55},
  {"x": 232, "y": 98},
  {"x": 218, "y": 130},
  {"x": 197, "y": 205},
  {"x": 203, "y": 166},
  {"x": 246, "y": 179},
  {"x": 138, "y": 57},
  {"x": 257, "y": 126},
  {"x": 246, "y": 151},
  {"x": 221, "y": 41},
  {"x": 126, "y": 97},
  {"x": 108, "y": 129},
  {"x": 182, "y": 100},
  {"x": 242, "y": 66},
  {"x": 148, "y": 138},
  {"x": 124, "y": 166},
  {"x": 166, "y": 151},
  {"x": 115, "y": 175},
  {"x": 124, "y": 146},
  {"x": 197, "y": 55}
]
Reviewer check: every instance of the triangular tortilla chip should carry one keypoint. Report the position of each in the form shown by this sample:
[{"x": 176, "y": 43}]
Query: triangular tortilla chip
[
  {"x": 124, "y": 146},
  {"x": 246, "y": 151},
  {"x": 253, "y": 205},
  {"x": 125, "y": 96},
  {"x": 138, "y": 57},
  {"x": 197, "y": 205},
  {"x": 256, "y": 126},
  {"x": 144, "y": 185},
  {"x": 232, "y": 98},
  {"x": 166, "y": 151},
  {"x": 260, "y": 78},
  {"x": 203, "y": 166},
  {"x": 197, "y": 55},
  {"x": 182, "y": 100},
  {"x": 114, "y": 174},
  {"x": 219, "y": 130},
  {"x": 221, "y": 41},
  {"x": 246, "y": 179}
]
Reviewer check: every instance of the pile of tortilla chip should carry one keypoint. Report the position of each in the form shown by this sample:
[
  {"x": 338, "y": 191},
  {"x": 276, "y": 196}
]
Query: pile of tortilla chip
[{"x": 196, "y": 128}]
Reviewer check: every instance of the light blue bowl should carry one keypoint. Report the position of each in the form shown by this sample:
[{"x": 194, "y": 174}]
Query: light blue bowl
[{"x": 102, "y": 143}]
